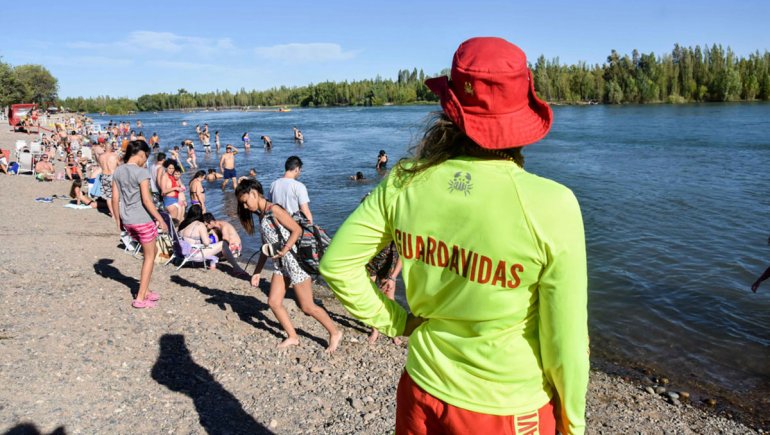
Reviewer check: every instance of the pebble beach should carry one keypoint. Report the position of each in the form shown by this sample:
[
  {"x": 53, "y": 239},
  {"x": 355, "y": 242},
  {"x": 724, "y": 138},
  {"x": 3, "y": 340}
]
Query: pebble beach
[{"x": 77, "y": 358}]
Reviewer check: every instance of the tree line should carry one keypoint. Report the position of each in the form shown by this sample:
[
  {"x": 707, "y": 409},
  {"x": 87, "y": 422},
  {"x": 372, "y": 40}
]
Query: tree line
[
  {"x": 27, "y": 84},
  {"x": 407, "y": 88},
  {"x": 686, "y": 74}
]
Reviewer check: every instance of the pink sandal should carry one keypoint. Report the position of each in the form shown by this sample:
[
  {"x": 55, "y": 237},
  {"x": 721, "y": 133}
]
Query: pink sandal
[
  {"x": 143, "y": 304},
  {"x": 152, "y": 297}
]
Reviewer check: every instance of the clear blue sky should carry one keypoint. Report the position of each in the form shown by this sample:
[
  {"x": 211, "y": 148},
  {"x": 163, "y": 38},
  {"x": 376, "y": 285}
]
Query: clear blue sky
[{"x": 130, "y": 48}]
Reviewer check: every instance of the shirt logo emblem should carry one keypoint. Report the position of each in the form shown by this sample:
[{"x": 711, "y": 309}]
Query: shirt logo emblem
[
  {"x": 461, "y": 182},
  {"x": 468, "y": 88}
]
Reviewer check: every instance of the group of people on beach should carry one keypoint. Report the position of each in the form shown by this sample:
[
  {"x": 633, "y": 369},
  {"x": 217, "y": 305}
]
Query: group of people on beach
[
  {"x": 498, "y": 322},
  {"x": 492, "y": 257}
]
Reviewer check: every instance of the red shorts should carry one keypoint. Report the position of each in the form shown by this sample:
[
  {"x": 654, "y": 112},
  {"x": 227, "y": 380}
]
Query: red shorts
[
  {"x": 417, "y": 412},
  {"x": 144, "y": 233}
]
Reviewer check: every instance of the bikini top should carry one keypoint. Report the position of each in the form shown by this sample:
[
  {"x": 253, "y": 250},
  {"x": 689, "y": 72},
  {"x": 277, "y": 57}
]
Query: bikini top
[{"x": 174, "y": 184}]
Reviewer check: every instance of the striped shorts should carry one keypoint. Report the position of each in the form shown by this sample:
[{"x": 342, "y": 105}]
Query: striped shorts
[{"x": 144, "y": 233}]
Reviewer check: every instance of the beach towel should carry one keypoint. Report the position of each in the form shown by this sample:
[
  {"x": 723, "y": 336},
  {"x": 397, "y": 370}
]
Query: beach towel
[
  {"x": 45, "y": 199},
  {"x": 77, "y": 207},
  {"x": 96, "y": 188}
]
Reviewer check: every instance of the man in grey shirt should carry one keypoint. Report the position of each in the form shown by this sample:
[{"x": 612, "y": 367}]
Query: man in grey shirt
[{"x": 290, "y": 193}]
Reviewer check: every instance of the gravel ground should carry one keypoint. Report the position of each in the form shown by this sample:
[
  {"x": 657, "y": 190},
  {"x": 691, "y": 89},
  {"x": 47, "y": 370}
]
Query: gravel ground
[{"x": 76, "y": 358}]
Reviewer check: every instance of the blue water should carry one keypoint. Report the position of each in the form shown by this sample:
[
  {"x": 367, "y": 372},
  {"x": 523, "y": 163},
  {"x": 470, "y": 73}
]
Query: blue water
[{"x": 676, "y": 203}]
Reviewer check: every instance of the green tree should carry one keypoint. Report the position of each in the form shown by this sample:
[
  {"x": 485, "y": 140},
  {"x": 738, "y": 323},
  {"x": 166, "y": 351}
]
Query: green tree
[
  {"x": 11, "y": 90},
  {"x": 40, "y": 85}
]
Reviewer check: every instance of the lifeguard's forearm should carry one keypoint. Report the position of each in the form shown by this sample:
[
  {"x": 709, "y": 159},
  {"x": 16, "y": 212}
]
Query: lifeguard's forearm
[{"x": 359, "y": 238}]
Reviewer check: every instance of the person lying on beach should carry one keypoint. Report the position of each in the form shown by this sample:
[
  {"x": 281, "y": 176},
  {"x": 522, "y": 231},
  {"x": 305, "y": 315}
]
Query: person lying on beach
[
  {"x": 231, "y": 242},
  {"x": 3, "y": 164},
  {"x": 76, "y": 192},
  {"x": 193, "y": 231},
  {"x": 213, "y": 176},
  {"x": 765, "y": 275},
  {"x": 44, "y": 170}
]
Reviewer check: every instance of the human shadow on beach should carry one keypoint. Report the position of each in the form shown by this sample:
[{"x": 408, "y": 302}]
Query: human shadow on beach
[
  {"x": 105, "y": 268},
  {"x": 219, "y": 412},
  {"x": 347, "y": 322},
  {"x": 248, "y": 308},
  {"x": 31, "y": 429}
]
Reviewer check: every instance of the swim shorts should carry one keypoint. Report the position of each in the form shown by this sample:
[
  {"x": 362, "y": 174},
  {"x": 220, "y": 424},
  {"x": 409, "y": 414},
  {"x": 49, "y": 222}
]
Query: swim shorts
[
  {"x": 229, "y": 173},
  {"x": 144, "y": 233},
  {"x": 418, "y": 412},
  {"x": 106, "y": 186},
  {"x": 168, "y": 201}
]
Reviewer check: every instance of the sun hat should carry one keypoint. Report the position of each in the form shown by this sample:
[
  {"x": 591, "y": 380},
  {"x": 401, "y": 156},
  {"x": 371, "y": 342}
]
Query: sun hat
[{"x": 491, "y": 95}]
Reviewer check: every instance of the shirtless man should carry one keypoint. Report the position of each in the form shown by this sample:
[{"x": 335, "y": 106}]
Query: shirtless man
[
  {"x": 44, "y": 170},
  {"x": 206, "y": 139},
  {"x": 213, "y": 176},
  {"x": 227, "y": 166},
  {"x": 108, "y": 161},
  {"x": 267, "y": 141}
]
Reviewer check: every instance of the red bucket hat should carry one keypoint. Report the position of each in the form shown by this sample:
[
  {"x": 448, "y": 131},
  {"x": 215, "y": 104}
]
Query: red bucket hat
[{"x": 491, "y": 96}]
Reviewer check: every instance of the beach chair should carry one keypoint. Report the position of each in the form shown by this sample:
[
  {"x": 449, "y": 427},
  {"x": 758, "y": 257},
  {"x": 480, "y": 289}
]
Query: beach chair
[
  {"x": 20, "y": 145},
  {"x": 24, "y": 158},
  {"x": 184, "y": 252},
  {"x": 130, "y": 245},
  {"x": 86, "y": 151},
  {"x": 36, "y": 148}
]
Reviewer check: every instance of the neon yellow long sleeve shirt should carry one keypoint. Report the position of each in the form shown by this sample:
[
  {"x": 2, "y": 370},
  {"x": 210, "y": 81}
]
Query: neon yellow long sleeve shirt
[{"x": 494, "y": 259}]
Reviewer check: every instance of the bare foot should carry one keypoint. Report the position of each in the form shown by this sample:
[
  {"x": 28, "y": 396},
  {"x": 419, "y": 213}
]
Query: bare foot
[
  {"x": 334, "y": 342},
  {"x": 373, "y": 336},
  {"x": 291, "y": 341},
  {"x": 397, "y": 341}
]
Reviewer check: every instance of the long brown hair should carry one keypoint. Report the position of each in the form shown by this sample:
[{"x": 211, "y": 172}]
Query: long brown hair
[
  {"x": 442, "y": 141},
  {"x": 79, "y": 185},
  {"x": 244, "y": 214}
]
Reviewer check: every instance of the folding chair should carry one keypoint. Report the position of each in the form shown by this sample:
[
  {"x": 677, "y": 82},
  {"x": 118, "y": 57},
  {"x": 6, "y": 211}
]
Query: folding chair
[{"x": 183, "y": 250}]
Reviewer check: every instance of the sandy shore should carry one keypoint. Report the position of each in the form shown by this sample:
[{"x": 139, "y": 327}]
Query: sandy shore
[{"x": 76, "y": 356}]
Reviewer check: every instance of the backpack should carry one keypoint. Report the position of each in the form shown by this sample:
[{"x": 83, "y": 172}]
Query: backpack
[{"x": 310, "y": 246}]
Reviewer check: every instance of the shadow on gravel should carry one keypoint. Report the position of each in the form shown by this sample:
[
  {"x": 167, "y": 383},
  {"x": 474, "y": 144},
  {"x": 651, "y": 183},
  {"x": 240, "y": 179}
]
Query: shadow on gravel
[
  {"x": 349, "y": 322},
  {"x": 105, "y": 268},
  {"x": 219, "y": 411},
  {"x": 31, "y": 429},
  {"x": 248, "y": 308}
]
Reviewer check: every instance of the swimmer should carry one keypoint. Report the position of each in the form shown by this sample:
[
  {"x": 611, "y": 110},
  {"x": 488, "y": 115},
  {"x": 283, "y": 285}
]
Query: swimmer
[
  {"x": 267, "y": 141},
  {"x": 358, "y": 177},
  {"x": 213, "y": 176}
]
